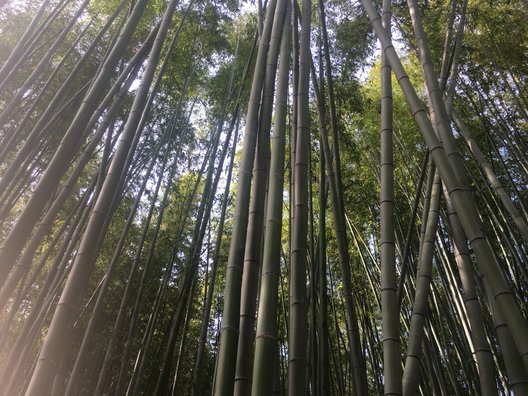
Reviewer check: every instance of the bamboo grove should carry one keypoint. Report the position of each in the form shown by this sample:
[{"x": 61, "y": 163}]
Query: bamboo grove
[{"x": 279, "y": 197}]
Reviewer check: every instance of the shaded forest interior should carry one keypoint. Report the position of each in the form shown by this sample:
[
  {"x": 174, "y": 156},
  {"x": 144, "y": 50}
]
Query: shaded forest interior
[{"x": 299, "y": 197}]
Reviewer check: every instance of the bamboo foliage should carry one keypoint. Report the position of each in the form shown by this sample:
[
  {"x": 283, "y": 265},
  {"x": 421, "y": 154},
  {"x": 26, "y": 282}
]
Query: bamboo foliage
[{"x": 145, "y": 250}]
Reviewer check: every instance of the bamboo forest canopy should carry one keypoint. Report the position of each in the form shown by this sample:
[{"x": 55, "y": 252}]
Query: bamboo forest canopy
[{"x": 266, "y": 197}]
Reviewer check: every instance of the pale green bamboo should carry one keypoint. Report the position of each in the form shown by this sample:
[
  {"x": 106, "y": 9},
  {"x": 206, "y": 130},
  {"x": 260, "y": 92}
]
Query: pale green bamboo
[
  {"x": 497, "y": 186},
  {"x": 255, "y": 228},
  {"x": 517, "y": 376},
  {"x": 411, "y": 374},
  {"x": 297, "y": 351},
  {"x": 481, "y": 350},
  {"x": 392, "y": 370},
  {"x": 356, "y": 358},
  {"x": 14, "y": 242},
  {"x": 442, "y": 81},
  {"x": 324, "y": 362},
  {"x": 451, "y": 82},
  {"x": 267, "y": 324},
  {"x": 226, "y": 359},
  {"x": 463, "y": 202},
  {"x": 63, "y": 318},
  {"x": 22, "y": 43}
]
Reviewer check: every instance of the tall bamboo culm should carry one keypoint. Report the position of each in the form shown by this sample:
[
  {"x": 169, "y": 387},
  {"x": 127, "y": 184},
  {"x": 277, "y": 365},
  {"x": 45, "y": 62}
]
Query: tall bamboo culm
[{"x": 389, "y": 303}]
